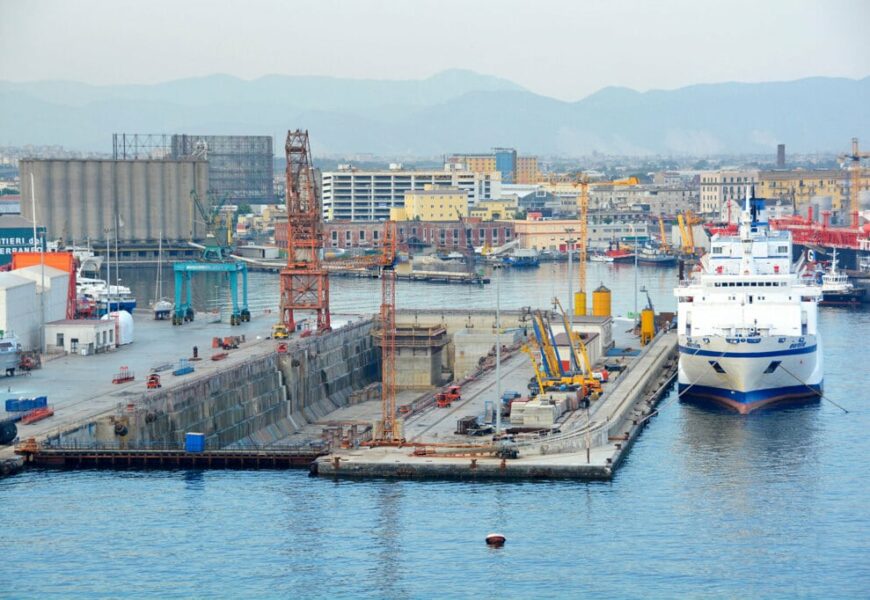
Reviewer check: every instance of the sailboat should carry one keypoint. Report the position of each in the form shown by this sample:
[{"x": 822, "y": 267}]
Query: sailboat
[{"x": 161, "y": 306}]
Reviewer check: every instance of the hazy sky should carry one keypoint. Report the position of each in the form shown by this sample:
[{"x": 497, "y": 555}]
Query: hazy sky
[{"x": 565, "y": 49}]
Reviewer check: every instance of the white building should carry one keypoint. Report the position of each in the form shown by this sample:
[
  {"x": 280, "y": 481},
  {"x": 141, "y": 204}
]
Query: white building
[
  {"x": 56, "y": 289},
  {"x": 84, "y": 336},
  {"x": 354, "y": 195},
  {"x": 720, "y": 187},
  {"x": 19, "y": 310}
]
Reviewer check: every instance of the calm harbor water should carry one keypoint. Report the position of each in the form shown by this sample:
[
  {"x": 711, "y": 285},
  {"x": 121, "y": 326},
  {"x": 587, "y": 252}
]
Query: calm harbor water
[{"x": 708, "y": 504}]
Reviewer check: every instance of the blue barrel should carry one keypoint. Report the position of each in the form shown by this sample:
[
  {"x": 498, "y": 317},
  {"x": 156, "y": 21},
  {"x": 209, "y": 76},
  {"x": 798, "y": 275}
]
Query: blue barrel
[
  {"x": 40, "y": 401},
  {"x": 26, "y": 404},
  {"x": 12, "y": 405},
  {"x": 194, "y": 442}
]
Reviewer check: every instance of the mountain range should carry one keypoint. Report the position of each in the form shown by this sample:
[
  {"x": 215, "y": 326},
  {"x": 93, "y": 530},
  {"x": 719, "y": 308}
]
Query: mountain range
[{"x": 453, "y": 111}]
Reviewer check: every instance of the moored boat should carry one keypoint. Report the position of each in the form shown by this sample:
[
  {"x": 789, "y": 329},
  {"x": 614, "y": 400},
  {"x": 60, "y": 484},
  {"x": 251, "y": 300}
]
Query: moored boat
[{"x": 747, "y": 323}]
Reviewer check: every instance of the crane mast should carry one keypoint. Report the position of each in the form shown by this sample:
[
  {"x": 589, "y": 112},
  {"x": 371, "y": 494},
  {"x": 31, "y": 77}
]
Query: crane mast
[{"x": 304, "y": 283}]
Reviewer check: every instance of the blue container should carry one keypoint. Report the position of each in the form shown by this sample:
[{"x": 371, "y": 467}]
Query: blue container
[
  {"x": 12, "y": 405},
  {"x": 194, "y": 442}
]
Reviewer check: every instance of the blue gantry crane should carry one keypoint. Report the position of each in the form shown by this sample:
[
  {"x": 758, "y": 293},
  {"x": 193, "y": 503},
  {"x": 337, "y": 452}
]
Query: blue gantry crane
[{"x": 216, "y": 258}]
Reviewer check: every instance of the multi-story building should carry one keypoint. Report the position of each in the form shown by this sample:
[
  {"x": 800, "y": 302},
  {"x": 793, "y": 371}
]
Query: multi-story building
[
  {"x": 527, "y": 170},
  {"x": 353, "y": 195},
  {"x": 495, "y": 210},
  {"x": 513, "y": 168},
  {"x": 417, "y": 234},
  {"x": 799, "y": 186},
  {"x": 719, "y": 189},
  {"x": 668, "y": 201},
  {"x": 432, "y": 204},
  {"x": 553, "y": 234}
]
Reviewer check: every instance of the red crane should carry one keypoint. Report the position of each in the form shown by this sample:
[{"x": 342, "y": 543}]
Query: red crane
[{"x": 304, "y": 282}]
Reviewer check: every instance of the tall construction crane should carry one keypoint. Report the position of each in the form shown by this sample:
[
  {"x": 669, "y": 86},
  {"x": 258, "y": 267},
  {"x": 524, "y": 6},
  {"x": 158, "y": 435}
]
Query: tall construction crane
[
  {"x": 853, "y": 164},
  {"x": 387, "y": 431},
  {"x": 583, "y": 210},
  {"x": 304, "y": 283}
]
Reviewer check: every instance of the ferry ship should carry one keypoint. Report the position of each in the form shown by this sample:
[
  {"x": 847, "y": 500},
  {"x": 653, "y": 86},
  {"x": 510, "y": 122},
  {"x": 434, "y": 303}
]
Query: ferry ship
[{"x": 747, "y": 322}]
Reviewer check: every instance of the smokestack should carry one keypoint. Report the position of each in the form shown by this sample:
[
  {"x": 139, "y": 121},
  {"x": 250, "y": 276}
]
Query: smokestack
[{"x": 780, "y": 156}]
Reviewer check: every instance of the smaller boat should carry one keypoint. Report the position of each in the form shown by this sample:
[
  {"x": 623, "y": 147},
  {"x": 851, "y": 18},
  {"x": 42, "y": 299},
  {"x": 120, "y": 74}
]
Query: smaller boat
[
  {"x": 161, "y": 306},
  {"x": 601, "y": 258},
  {"x": 836, "y": 287},
  {"x": 523, "y": 257},
  {"x": 620, "y": 255},
  {"x": 648, "y": 255}
]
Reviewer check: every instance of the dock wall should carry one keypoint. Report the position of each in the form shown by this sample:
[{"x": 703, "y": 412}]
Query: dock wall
[{"x": 258, "y": 401}]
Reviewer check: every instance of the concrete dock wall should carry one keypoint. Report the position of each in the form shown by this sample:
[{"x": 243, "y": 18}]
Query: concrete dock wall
[{"x": 260, "y": 400}]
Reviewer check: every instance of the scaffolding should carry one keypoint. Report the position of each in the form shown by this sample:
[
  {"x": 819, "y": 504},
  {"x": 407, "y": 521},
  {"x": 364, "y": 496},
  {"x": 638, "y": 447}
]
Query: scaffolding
[{"x": 240, "y": 166}]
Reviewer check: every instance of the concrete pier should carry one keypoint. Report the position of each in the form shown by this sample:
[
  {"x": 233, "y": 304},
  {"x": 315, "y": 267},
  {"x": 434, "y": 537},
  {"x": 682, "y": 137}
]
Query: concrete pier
[
  {"x": 584, "y": 445},
  {"x": 254, "y": 396}
]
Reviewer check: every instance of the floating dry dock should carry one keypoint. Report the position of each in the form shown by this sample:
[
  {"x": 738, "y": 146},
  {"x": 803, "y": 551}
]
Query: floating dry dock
[{"x": 585, "y": 446}]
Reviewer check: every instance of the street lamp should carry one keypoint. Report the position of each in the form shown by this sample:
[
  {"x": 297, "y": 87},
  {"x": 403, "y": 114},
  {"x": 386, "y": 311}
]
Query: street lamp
[
  {"x": 497, "y": 402},
  {"x": 570, "y": 243}
]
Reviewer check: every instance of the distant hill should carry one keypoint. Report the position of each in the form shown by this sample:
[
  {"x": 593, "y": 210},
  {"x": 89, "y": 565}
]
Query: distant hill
[{"x": 454, "y": 111}]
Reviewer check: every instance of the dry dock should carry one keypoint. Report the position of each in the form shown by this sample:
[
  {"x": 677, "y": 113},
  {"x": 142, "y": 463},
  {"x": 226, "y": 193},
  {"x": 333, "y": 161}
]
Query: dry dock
[{"x": 586, "y": 445}]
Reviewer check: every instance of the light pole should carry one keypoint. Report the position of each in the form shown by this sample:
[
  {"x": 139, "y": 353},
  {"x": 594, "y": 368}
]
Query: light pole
[
  {"x": 634, "y": 234},
  {"x": 570, "y": 244},
  {"x": 497, "y": 402}
]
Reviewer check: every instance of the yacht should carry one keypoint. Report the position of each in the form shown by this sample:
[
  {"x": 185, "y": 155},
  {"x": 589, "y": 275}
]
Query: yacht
[{"x": 747, "y": 323}]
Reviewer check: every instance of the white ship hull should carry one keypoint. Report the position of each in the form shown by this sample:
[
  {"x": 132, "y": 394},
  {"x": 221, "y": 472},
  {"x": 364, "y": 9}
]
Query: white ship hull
[{"x": 742, "y": 373}]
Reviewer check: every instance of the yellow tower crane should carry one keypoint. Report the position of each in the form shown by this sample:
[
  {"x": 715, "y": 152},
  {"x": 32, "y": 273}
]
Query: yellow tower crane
[{"x": 854, "y": 168}]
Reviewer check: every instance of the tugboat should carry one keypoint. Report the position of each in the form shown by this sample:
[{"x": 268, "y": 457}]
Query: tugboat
[
  {"x": 836, "y": 288},
  {"x": 654, "y": 256}
]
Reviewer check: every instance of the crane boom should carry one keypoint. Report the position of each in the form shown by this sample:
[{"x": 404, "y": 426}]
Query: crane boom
[
  {"x": 549, "y": 355},
  {"x": 578, "y": 348}
]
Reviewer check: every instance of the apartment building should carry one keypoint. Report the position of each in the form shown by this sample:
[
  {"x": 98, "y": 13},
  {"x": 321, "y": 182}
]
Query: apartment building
[
  {"x": 724, "y": 187},
  {"x": 355, "y": 195},
  {"x": 432, "y": 204}
]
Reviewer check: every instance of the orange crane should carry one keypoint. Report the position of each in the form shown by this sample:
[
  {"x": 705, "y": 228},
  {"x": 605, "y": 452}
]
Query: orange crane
[
  {"x": 583, "y": 210},
  {"x": 854, "y": 168},
  {"x": 387, "y": 432}
]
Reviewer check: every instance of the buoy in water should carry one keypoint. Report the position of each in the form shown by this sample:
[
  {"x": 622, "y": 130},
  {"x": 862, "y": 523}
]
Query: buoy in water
[{"x": 495, "y": 539}]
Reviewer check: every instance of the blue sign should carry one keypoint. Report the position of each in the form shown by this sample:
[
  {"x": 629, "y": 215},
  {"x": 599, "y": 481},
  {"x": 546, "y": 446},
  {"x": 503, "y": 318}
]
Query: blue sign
[{"x": 17, "y": 239}]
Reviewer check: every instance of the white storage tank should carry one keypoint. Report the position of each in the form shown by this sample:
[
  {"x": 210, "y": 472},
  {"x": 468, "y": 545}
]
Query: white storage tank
[{"x": 125, "y": 326}]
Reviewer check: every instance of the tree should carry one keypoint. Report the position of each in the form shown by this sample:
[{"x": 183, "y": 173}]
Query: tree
[{"x": 244, "y": 209}]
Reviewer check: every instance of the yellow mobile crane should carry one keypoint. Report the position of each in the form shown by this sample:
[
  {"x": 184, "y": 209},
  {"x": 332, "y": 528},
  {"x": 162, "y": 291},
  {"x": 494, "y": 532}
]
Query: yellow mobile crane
[
  {"x": 580, "y": 356},
  {"x": 664, "y": 245}
]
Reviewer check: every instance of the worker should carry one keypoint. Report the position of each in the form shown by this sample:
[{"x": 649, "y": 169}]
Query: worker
[{"x": 195, "y": 352}]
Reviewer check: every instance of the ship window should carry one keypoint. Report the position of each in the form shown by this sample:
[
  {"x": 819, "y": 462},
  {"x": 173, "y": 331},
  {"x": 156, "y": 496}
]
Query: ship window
[
  {"x": 717, "y": 367},
  {"x": 772, "y": 366}
]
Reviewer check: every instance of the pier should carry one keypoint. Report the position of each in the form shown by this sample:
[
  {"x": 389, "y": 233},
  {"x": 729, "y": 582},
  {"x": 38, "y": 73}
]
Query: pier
[
  {"x": 586, "y": 445},
  {"x": 310, "y": 402}
]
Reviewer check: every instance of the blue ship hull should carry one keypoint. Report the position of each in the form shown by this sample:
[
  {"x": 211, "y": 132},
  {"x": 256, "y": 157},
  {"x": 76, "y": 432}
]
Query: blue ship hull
[
  {"x": 114, "y": 306},
  {"x": 746, "y": 402}
]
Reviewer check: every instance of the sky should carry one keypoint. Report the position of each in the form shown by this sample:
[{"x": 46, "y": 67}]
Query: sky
[{"x": 566, "y": 49}]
